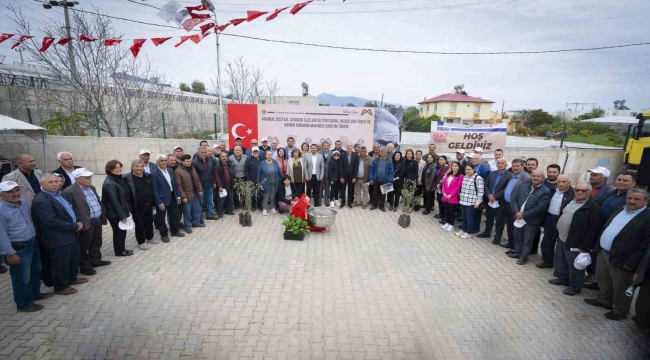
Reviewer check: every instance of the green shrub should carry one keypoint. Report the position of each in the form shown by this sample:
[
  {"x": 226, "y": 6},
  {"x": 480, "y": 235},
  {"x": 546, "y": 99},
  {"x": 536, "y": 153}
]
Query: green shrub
[
  {"x": 585, "y": 133},
  {"x": 542, "y": 129},
  {"x": 523, "y": 130}
]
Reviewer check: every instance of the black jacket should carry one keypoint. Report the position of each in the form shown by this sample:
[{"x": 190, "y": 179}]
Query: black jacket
[
  {"x": 585, "y": 226},
  {"x": 501, "y": 186},
  {"x": 333, "y": 173},
  {"x": 631, "y": 243},
  {"x": 643, "y": 270},
  {"x": 282, "y": 194},
  {"x": 128, "y": 178},
  {"x": 114, "y": 199},
  {"x": 348, "y": 169},
  {"x": 221, "y": 176},
  {"x": 66, "y": 180},
  {"x": 52, "y": 222},
  {"x": 398, "y": 172},
  {"x": 429, "y": 177},
  {"x": 252, "y": 163},
  {"x": 569, "y": 195},
  {"x": 205, "y": 170},
  {"x": 411, "y": 170}
]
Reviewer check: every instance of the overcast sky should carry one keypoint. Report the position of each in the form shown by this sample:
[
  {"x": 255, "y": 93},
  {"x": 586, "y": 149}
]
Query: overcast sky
[{"x": 547, "y": 81}]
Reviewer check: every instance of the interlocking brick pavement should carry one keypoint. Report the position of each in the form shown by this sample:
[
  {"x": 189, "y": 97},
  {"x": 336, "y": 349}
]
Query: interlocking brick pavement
[{"x": 365, "y": 289}]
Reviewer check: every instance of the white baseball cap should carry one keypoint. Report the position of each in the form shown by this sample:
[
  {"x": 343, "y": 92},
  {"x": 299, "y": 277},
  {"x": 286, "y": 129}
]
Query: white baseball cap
[
  {"x": 255, "y": 148},
  {"x": 144, "y": 151},
  {"x": 600, "y": 170},
  {"x": 81, "y": 172},
  {"x": 478, "y": 149},
  {"x": 265, "y": 139},
  {"x": 460, "y": 151},
  {"x": 470, "y": 155},
  {"x": 216, "y": 146},
  {"x": 177, "y": 147},
  {"x": 7, "y": 185}
]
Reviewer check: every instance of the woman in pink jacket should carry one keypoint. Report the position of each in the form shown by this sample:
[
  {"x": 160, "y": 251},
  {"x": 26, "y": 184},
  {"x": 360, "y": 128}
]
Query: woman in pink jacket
[{"x": 451, "y": 185}]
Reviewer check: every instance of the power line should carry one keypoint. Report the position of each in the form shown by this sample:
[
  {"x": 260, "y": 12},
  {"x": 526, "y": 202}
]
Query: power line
[{"x": 391, "y": 50}]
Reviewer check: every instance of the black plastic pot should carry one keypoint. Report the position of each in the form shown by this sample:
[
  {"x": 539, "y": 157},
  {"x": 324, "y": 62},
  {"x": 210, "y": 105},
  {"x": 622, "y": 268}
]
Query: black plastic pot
[
  {"x": 291, "y": 236},
  {"x": 404, "y": 220}
]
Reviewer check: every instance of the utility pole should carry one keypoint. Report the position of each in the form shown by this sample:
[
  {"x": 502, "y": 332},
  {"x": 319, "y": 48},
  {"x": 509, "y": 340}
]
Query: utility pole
[
  {"x": 66, "y": 4},
  {"x": 208, "y": 5},
  {"x": 20, "y": 51},
  {"x": 382, "y": 101},
  {"x": 503, "y": 104}
]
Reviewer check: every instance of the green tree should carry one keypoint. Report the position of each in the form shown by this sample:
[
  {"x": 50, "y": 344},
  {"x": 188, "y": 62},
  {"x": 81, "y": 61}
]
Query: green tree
[
  {"x": 411, "y": 112},
  {"x": 595, "y": 113},
  {"x": 419, "y": 124},
  {"x": 74, "y": 124},
  {"x": 184, "y": 87},
  {"x": 350, "y": 105},
  {"x": 539, "y": 117},
  {"x": 198, "y": 87},
  {"x": 372, "y": 103}
]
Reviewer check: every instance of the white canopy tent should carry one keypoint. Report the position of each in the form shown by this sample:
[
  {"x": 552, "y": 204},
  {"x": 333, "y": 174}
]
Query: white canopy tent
[{"x": 11, "y": 125}]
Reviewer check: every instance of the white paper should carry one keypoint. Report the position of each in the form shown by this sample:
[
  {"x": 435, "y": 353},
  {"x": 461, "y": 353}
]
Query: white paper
[
  {"x": 223, "y": 193},
  {"x": 493, "y": 204},
  {"x": 386, "y": 188},
  {"x": 520, "y": 223},
  {"x": 126, "y": 226},
  {"x": 169, "y": 10}
]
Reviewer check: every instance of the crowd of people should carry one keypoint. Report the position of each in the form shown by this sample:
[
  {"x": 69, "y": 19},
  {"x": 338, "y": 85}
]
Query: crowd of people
[{"x": 592, "y": 234}]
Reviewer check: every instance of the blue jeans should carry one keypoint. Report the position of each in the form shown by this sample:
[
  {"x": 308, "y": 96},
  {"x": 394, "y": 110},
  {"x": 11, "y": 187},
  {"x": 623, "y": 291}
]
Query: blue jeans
[
  {"x": 477, "y": 221},
  {"x": 192, "y": 212},
  {"x": 564, "y": 269},
  {"x": 467, "y": 213},
  {"x": 26, "y": 276},
  {"x": 208, "y": 200}
]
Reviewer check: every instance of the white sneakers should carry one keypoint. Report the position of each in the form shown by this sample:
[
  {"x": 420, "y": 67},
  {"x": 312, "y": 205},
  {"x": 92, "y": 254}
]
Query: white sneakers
[
  {"x": 274, "y": 211},
  {"x": 465, "y": 236},
  {"x": 264, "y": 212},
  {"x": 444, "y": 226},
  {"x": 144, "y": 246},
  {"x": 154, "y": 241},
  {"x": 449, "y": 228},
  {"x": 459, "y": 233}
]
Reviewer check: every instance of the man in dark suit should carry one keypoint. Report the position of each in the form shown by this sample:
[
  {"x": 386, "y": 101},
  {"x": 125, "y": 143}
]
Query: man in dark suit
[
  {"x": 519, "y": 179},
  {"x": 66, "y": 169},
  {"x": 348, "y": 167},
  {"x": 84, "y": 199},
  {"x": 622, "y": 245},
  {"x": 58, "y": 226},
  {"x": 641, "y": 279},
  {"x": 495, "y": 187},
  {"x": 167, "y": 199},
  {"x": 529, "y": 206},
  {"x": 560, "y": 196}
]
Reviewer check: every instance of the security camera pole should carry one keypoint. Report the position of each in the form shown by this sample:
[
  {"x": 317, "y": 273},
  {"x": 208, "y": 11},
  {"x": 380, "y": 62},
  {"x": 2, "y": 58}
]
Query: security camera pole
[
  {"x": 66, "y": 4},
  {"x": 208, "y": 5}
]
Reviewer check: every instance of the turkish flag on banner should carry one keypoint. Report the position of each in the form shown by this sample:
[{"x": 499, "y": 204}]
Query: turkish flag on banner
[
  {"x": 85, "y": 38},
  {"x": 47, "y": 42},
  {"x": 252, "y": 15},
  {"x": 158, "y": 41},
  {"x": 65, "y": 40},
  {"x": 192, "y": 9},
  {"x": 194, "y": 38},
  {"x": 236, "y": 22},
  {"x": 20, "y": 41},
  {"x": 111, "y": 42},
  {"x": 4, "y": 37},
  {"x": 276, "y": 13},
  {"x": 242, "y": 122},
  {"x": 298, "y": 7},
  {"x": 137, "y": 45},
  {"x": 222, "y": 27},
  {"x": 189, "y": 24},
  {"x": 206, "y": 27}
]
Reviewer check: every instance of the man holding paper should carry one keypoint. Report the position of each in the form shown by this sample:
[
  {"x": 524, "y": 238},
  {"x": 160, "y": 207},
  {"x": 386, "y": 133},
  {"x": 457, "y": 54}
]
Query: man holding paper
[{"x": 495, "y": 187}]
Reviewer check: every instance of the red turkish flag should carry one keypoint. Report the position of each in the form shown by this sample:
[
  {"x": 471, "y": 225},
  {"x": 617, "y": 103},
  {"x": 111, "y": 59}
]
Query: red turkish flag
[
  {"x": 137, "y": 45},
  {"x": 4, "y": 37},
  {"x": 206, "y": 27},
  {"x": 158, "y": 41},
  {"x": 242, "y": 122},
  {"x": 47, "y": 42},
  {"x": 65, "y": 40},
  {"x": 298, "y": 7},
  {"x": 194, "y": 38},
  {"x": 252, "y": 15},
  {"x": 276, "y": 13},
  {"x": 85, "y": 38},
  {"x": 222, "y": 27},
  {"x": 20, "y": 41},
  {"x": 192, "y": 9},
  {"x": 236, "y": 22},
  {"x": 111, "y": 42},
  {"x": 190, "y": 24}
]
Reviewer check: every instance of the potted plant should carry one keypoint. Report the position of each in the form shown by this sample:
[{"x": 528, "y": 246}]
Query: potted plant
[
  {"x": 295, "y": 228},
  {"x": 246, "y": 190},
  {"x": 410, "y": 200}
]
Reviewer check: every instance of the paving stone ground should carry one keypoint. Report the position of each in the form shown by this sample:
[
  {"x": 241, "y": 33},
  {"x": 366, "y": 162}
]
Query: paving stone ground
[{"x": 365, "y": 289}]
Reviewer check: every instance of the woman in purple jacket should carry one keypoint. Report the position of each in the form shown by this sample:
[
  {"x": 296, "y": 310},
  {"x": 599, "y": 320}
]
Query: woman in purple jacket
[{"x": 450, "y": 187}]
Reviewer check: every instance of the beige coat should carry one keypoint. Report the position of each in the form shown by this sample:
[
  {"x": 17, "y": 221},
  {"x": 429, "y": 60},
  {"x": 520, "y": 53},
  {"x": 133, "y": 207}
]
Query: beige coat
[
  {"x": 290, "y": 169},
  {"x": 26, "y": 191}
]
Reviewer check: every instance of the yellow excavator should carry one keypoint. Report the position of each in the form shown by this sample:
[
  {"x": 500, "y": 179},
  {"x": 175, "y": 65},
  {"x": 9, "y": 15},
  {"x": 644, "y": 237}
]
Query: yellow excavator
[{"x": 637, "y": 151}]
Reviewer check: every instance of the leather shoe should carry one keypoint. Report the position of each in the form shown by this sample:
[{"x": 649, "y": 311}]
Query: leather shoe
[
  {"x": 165, "y": 239},
  {"x": 596, "y": 303},
  {"x": 510, "y": 252},
  {"x": 512, "y": 255},
  {"x": 66, "y": 291},
  {"x": 496, "y": 241},
  {"x": 543, "y": 265},
  {"x": 30, "y": 308},
  {"x": 102, "y": 263},
  {"x": 212, "y": 218},
  {"x": 570, "y": 292},
  {"x": 79, "y": 281},
  {"x": 199, "y": 225},
  {"x": 230, "y": 213},
  {"x": 592, "y": 286},
  {"x": 437, "y": 216},
  {"x": 615, "y": 315},
  {"x": 178, "y": 234},
  {"x": 126, "y": 253},
  {"x": 43, "y": 296},
  {"x": 522, "y": 261},
  {"x": 88, "y": 272},
  {"x": 374, "y": 207},
  {"x": 382, "y": 209},
  {"x": 426, "y": 212},
  {"x": 506, "y": 246},
  {"x": 558, "y": 282},
  {"x": 483, "y": 235}
]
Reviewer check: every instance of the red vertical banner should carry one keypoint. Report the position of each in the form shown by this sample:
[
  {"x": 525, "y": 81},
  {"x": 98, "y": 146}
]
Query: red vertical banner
[{"x": 242, "y": 122}]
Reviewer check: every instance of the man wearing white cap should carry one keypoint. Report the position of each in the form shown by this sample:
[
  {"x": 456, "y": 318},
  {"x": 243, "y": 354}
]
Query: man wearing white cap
[
  {"x": 84, "y": 199},
  {"x": 178, "y": 151},
  {"x": 145, "y": 155},
  {"x": 265, "y": 146},
  {"x": 599, "y": 187},
  {"x": 19, "y": 249},
  {"x": 216, "y": 151},
  {"x": 460, "y": 157}
]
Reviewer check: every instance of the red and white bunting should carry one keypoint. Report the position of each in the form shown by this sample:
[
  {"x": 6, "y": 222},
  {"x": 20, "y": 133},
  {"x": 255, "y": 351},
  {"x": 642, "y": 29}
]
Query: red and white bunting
[
  {"x": 85, "y": 38},
  {"x": 47, "y": 42},
  {"x": 20, "y": 41},
  {"x": 5, "y": 37},
  {"x": 111, "y": 42},
  {"x": 137, "y": 45},
  {"x": 276, "y": 13},
  {"x": 65, "y": 40},
  {"x": 252, "y": 15},
  {"x": 158, "y": 41}
]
